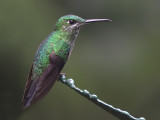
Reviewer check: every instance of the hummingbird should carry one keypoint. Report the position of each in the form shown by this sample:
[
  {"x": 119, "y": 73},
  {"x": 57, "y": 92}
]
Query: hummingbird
[{"x": 51, "y": 57}]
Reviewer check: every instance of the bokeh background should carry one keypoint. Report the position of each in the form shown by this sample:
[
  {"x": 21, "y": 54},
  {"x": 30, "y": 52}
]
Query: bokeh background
[{"x": 119, "y": 61}]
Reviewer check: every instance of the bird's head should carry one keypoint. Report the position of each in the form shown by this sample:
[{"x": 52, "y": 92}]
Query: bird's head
[{"x": 72, "y": 23}]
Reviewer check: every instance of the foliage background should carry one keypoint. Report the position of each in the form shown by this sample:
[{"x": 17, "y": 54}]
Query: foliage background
[{"x": 118, "y": 61}]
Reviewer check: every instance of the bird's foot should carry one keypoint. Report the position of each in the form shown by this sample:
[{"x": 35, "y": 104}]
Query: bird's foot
[{"x": 62, "y": 76}]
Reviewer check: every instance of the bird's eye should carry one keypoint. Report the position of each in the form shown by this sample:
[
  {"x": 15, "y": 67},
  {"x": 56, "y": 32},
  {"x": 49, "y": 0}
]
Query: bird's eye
[{"x": 72, "y": 22}]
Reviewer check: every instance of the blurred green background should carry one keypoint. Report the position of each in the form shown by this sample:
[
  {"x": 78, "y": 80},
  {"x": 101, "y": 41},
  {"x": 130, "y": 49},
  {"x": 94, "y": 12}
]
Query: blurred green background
[{"x": 119, "y": 61}]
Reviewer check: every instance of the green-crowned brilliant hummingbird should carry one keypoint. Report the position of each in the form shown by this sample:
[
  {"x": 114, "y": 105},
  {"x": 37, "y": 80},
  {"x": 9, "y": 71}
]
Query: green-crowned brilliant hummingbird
[{"x": 51, "y": 57}]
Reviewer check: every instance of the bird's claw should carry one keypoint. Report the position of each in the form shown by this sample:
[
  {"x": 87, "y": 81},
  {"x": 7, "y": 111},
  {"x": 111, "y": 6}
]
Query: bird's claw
[{"x": 62, "y": 76}]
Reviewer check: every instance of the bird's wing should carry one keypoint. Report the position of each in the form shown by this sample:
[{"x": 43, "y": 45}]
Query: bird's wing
[{"x": 38, "y": 87}]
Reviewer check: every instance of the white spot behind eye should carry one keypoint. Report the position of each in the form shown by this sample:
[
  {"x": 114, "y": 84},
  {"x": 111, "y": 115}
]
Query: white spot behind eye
[{"x": 68, "y": 22}]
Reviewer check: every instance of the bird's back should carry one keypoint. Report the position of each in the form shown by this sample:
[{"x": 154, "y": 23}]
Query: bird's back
[
  {"x": 47, "y": 65},
  {"x": 54, "y": 43}
]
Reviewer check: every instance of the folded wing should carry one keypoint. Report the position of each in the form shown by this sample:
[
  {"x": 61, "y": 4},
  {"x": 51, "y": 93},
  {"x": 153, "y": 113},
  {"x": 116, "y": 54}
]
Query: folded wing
[{"x": 40, "y": 86}]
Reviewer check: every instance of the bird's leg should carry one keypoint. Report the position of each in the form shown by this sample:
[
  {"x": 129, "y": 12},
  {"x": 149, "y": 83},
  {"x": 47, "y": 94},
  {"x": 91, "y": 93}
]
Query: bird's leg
[{"x": 60, "y": 76}]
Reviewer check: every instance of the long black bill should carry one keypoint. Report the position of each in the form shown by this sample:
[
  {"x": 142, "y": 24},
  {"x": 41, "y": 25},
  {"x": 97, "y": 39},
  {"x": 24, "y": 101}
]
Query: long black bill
[{"x": 97, "y": 20}]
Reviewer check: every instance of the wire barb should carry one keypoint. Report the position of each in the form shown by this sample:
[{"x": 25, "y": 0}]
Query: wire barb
[{"x": 122, "y": 115}]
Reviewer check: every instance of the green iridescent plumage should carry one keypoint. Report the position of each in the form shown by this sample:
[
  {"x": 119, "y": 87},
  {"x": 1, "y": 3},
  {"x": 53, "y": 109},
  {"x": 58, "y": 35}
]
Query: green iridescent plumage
[
  {"x": 51, "y": 56},
  {"x": 53, "y": 43},
  {"x": 59, "y": 41}
]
